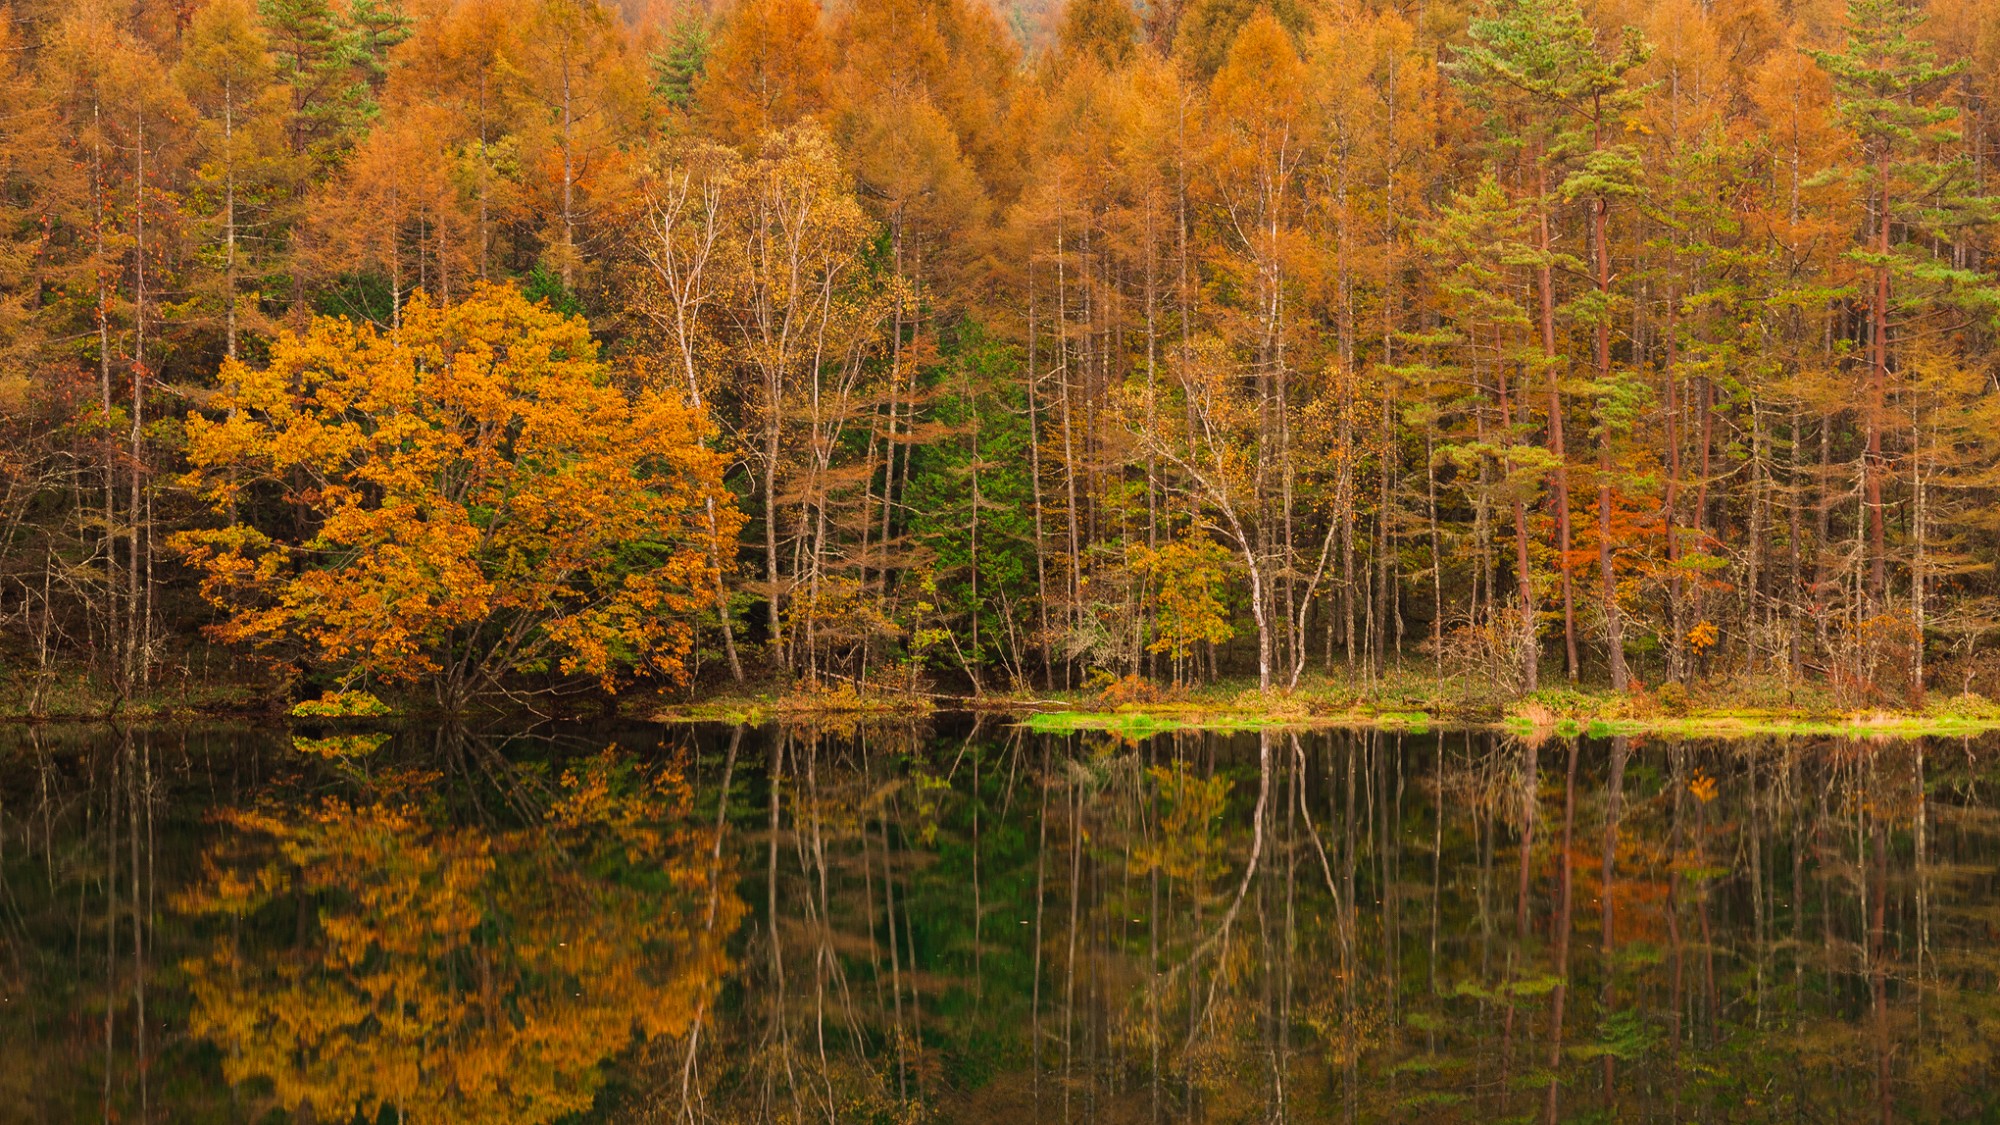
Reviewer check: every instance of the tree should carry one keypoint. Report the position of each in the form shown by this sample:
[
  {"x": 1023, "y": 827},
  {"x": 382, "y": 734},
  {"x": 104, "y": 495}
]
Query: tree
[
  {"x": 327, "y": 64},
  {"x": 1188, "y": 574},
  {"x": 1104, "y": 30},
  {"x": 1887, "y": 87},
  {"x": 678, "y": 67},
  {"x": 579, "y": 98},
  {"x": 769, "y": 69},
  {"x": 1529, "y": 64},
  {"x": 227, "y": 74},
  {"x": 463, "y": 499},
  {"x": 806, "y": 320}
]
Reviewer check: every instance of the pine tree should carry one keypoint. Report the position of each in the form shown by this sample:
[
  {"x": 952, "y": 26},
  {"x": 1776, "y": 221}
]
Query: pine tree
[
  {"x": 314, "y": 56},
  {"x": 1888, "y": 87},
  {"x": 678, "y": 67}
]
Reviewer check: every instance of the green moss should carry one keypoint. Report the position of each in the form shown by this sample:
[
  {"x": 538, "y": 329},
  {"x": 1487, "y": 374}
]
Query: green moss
[
  {"x": 841, "y": 705},
  {"x": 342, "y": 705}
]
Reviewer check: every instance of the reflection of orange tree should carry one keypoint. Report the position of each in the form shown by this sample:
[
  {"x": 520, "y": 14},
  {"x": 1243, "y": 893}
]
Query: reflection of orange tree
[{"x": 453, "y": 973}]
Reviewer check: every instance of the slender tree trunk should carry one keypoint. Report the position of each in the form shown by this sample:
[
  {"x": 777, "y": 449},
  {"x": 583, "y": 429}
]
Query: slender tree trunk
[
  {"x": 1872, "y": 466},
  {"x": 1676, "y": 631},
  {"x": 1523, "y": 570},
  {"x": 1614, "y": 622},
  {"x": 137, "y": 625},
  {"x": 1559, "y": 475}
]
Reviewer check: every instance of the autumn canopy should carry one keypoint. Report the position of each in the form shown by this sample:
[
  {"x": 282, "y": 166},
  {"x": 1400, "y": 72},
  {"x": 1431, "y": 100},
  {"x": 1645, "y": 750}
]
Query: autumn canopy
[{"x": 940, "y": 345}]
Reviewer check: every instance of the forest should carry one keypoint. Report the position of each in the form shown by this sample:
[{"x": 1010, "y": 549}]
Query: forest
[{"x": 463, "y": 348}]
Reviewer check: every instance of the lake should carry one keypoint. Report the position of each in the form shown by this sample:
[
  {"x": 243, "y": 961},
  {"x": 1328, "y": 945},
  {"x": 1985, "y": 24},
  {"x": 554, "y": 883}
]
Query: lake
[{"x": 962, "y": 921}]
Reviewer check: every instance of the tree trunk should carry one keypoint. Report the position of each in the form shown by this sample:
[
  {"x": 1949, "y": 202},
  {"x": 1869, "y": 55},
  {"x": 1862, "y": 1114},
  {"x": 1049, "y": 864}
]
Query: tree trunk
[{"x": 1559, "y": 476}]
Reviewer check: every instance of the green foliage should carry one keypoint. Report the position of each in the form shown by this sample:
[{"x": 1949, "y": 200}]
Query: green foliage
[
  {"x": 971, "y": 501},
  {"x": 677, "y": 68},
  {"x": 545, "y": 285}
]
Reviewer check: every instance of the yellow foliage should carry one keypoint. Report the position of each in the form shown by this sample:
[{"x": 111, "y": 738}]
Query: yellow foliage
[
  {"x": 478, "y": 499},
  {"x": 1703, "y": 636},
  {"x": 1187, "y": 579}
]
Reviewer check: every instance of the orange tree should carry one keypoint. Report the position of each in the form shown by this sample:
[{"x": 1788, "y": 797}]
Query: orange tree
[{"x": 458, "y": 502}]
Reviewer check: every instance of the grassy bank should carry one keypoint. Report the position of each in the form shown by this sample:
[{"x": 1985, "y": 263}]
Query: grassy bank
[
  {"x": 841, "y": 702},
  {"x": 1413, "y": 701},
  {"x": 1403, "y": 699},
  {"x": 76, "y": 698}
]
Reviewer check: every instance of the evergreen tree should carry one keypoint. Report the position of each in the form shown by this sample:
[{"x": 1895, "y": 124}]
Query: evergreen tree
[{"x": 1917, "y": 189}]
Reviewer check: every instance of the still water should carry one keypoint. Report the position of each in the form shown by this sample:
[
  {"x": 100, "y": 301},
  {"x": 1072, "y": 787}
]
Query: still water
[{"x": 965, "y": 922}]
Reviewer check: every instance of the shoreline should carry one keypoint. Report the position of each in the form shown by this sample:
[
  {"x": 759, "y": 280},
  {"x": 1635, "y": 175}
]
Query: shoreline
[{"x": 1056, "y": 713}]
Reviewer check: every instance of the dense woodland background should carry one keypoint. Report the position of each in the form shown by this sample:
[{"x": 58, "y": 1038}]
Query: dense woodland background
[{"x": 1643, "y": 339}]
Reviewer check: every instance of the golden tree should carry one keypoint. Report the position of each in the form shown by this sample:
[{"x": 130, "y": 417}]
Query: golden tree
[{"x": 459, "y": 500}]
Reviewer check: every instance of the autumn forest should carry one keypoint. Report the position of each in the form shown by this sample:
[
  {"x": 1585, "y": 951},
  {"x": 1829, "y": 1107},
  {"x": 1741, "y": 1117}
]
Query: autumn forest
[{"x": 461, "y": 348}]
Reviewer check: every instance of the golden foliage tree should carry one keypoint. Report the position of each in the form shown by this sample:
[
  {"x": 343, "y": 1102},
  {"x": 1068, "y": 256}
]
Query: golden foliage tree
[{"x": 463, "y": 498}]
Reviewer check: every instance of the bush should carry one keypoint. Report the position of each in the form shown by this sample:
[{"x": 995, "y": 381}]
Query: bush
[
  {"x": 1566, "y": 703},
  {"x": 1673, "y": 698},
  {"x": 1969, "y": 705},
  {"x": 342, "y": 705},
  {"x": 1131, "y": 689}
]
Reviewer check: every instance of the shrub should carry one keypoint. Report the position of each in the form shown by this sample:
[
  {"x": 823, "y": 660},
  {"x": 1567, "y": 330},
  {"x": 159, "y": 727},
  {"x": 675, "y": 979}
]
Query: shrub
[{"x": 1673, "y": 698}]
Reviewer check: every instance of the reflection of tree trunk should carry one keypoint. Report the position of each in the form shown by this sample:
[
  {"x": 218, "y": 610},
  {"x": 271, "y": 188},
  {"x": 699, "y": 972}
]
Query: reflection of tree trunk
[
  {"x": 1798, "y": 899},
  {"x": 1530, "y": 780},
  {"x": 691, "y": 1060},
  {"x": 1878, "y": 972},
  {"x": 1759, "y": 939},
  {"x": 1701, "y": 904},
  {"x": 1041, "y": 883},
  {"x": 133, "y": 795},
  {"x": 1153, "y": 957},
  {"x": 1392, "y": 918},
  {"x": 1282, "y": 1018},
  {"x": 1562, "y": 922},
  {"x": 110, "y": 929},
  {"x": 1223, "y": 928},
  {"x": 1676, "y": 783},
  {"x": 825, "y": 962},
  {"x": 1075, "y": 803},
  {"x": 895, "y": 965},
  {"x": 1608, "y": 877},
  {"x": 779, "y": 1025}
]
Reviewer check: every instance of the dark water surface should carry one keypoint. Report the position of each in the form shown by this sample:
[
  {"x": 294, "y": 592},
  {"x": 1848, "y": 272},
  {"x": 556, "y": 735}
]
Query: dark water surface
[{"x": 968, "y": 923}]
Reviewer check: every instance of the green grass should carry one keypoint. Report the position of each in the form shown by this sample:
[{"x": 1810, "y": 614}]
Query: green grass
[
  {"x": 1141, "y": 724},
  {"x": 1890, "y": 725},
  {"x": 1418, "y": 702},
  {"x": 1137, "y": 722}
]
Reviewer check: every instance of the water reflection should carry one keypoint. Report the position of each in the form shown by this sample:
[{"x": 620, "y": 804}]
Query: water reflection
[{"x": 972, "y": 923}]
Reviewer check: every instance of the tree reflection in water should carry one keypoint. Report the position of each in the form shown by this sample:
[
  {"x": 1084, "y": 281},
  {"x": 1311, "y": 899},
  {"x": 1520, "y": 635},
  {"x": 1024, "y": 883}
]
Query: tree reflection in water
[
  {"x": 980, "y": 924},
  {"x": 1358, "y": 926}
]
